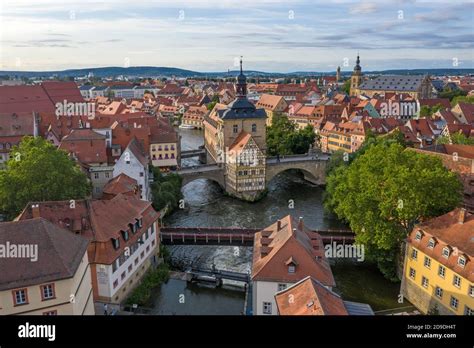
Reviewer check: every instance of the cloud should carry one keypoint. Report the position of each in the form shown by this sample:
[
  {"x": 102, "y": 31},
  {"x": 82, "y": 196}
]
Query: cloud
[{"x": 363, "y": 8}]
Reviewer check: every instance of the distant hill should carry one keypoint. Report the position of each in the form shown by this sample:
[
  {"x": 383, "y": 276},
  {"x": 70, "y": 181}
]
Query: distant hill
[{"x": 150, "y": 71}]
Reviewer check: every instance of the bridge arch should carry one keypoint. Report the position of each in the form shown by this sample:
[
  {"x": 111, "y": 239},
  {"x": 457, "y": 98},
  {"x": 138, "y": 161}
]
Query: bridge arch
[
  {"x": 216, "y": 175},
  {"x": 314, "y": 172}
]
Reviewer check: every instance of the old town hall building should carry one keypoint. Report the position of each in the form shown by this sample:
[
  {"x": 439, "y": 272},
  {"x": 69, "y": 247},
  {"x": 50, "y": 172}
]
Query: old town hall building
[{"x": 235, "y": 139}]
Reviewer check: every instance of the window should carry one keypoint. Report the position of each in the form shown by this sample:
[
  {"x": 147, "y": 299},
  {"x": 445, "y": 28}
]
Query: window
[
  {"x": 142, "y": 254},
  {"x": 153, "y": 243},
  {"x": 414, "y": 254},
  {"x": 441, "y": 271},
  {"x": 446, "y": 252},
  {"x": 130, "y": 268},
  {"x": 412, "y": 273},
  {"x": 107, "y": 175},
  {"x": 141, "y": 174},
  {"x": 418, "y": 235},
  {"x": 427, "y": 262},
  {"x": 461, "y": 261},
  {"x": 20, "y": 297},
  {"x": 146, "y": 235},
  {"x": 267, "y": 308},
  {"x": 454, "y": 302},
  {"x": 50, "y": 313},
  {"x": 47, "y": 292},
  {"x": 424, "y": 282},
  {"x": 152, "y": 228},
  {"x": 439, "y": 292},
  {"x": 116, "y": 243},
  {"x": 136, "y": 261},
  {"x": 122, "y": 276},
  {"x": 254, "y": 128},
  {"x": 457, "y": 281},
  {"x": 96, "y": 175},
  {"x": 281, "y": 287},
  {"x": 115, "y": 283},
  {"x": 125, "y": 235},
  {"x": 468, "y": 311},
  {"x": 471, "y": 290},
  {"x": 235, "y": 128},
  {"x": 291, "y": 269},
  {"x": 431, "y": 243}
]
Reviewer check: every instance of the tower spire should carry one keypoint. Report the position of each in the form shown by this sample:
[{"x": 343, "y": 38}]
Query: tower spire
[
  {"x": 241, "y": 65},
  {"x": 241, "y": 86}
]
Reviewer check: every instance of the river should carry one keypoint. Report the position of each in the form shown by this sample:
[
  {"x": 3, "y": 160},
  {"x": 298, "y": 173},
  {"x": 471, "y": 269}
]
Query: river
[{"x": 206, "y": 205}]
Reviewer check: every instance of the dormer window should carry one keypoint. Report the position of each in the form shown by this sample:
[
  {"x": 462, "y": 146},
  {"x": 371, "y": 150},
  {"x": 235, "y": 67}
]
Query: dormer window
[
  {"x": 446, "y": 252},
  {"x": 418, "y": 235},
  {"x": 116, "y": 243},
  {"x": 140, "y": 222},
  {"x": 125, "y": 235},
  {"x": 462, "y": 261},
  {"x": 431, "y": 243},
  {"x": 291, "y": 263},
  {"x": 133, "y": 228}
]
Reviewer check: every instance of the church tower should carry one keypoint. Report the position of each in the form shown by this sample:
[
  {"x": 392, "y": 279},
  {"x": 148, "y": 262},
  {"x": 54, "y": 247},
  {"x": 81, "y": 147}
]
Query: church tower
[
  {"x": 338, "y": 74},
  {"x": 356, "y": 78}
]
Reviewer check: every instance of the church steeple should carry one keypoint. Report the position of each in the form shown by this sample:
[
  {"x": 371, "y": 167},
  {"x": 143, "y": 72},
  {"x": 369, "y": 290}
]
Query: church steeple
[
  {"x": 356, "y": 78},
  {"x": 241, "y": 84}
]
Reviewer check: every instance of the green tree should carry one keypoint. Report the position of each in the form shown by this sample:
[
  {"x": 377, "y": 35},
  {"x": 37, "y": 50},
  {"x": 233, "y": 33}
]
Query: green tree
[
  {"x": 166, "y": 189},
  {"x": 284, "y": 139},
  {"x": 347, "y": 87},
  {"x": 462, "y": 99},
  {"x": 451, "y": 93},
  {"x": 37, "y": 171},
  {"x": 211, "y": 105},
  {"x": 384, "y": 192},
  {"x": 427, "y": 111},
  {"x": 456, "y": 138}
]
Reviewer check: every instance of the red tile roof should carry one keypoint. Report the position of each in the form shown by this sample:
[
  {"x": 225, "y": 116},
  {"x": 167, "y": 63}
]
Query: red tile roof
[
  {"x": 309, "y": 297},
  {"x": 454, "y": 229},
  {"x": 98, "y": 220},
  {"x": 59, "y": 253},
  {"x": 286, "y": 239}
]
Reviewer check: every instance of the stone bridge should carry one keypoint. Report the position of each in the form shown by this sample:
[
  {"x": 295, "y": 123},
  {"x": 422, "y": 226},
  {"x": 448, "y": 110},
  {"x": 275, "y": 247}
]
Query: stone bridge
[
  {"x": 212, "y": 172},
  {"x": 312, "y": 166}
]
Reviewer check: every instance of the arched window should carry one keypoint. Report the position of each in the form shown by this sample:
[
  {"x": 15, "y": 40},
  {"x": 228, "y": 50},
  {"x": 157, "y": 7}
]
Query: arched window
[
  {"x": 254, "y": 128},
  {"x": 235, "y": 128}
]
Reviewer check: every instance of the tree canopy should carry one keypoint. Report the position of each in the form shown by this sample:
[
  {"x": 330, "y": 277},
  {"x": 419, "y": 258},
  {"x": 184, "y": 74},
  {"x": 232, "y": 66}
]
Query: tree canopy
[
  {"x": 37, "y": 171},
  {"x": 384, "y": 192},
  {"x": 456, "y": 138},
  {"x": 284, "y": 139},
  {"x": 166, "y": 189}
]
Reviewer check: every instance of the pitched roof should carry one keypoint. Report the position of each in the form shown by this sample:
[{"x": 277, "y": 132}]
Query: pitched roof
[
  {"x": 285, "y": 240},
  {"x": 269, "y": 101},
  {"x": 85, "y": 144},
  {"x": 239, "y": 143},
  {"x": 122, "y": 183},
  {"x": 59, "y": 253},
  {"x": 137, "y": 150},
  {"x": 454, "y": 229},
  {"x": 402, "y": 83},
  {"x": 60, "y": 91},
  {"x": 309, "y": 297},
  {"x": 15, "y": 124},
  {"x": 98, "y": 221}
]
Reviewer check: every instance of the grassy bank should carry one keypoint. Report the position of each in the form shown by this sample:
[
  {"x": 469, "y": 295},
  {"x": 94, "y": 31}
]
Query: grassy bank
[{"x": 154, "y": 277}]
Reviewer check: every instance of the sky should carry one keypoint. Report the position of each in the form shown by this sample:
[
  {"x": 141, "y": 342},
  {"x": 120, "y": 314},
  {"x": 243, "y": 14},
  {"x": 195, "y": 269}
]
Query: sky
[{"x": 206, "y": 36}]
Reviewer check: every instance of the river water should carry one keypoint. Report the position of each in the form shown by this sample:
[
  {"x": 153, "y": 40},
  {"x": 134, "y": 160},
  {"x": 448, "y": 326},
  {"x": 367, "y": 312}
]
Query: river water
[{"x": 288, "y": 193}]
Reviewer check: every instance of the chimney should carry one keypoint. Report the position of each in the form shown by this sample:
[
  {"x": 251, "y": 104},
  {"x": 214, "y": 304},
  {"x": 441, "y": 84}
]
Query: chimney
[
  {"x": 294, "y": 231},
  {"x": 278, "y": 225},
  {"x": 300, "y": 224},
  {"x": 35, "y": 210},
  {"x": 462, "y": 216}
]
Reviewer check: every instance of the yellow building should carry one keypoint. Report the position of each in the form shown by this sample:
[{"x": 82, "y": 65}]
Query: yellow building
[
  {"x": 164, "y": 148},
  {"x": 356, "y": 78},
  {"x": 438, "y": 270},
  {"x": 274, "y": 106},
  {"x": 44, "y": 270}
]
